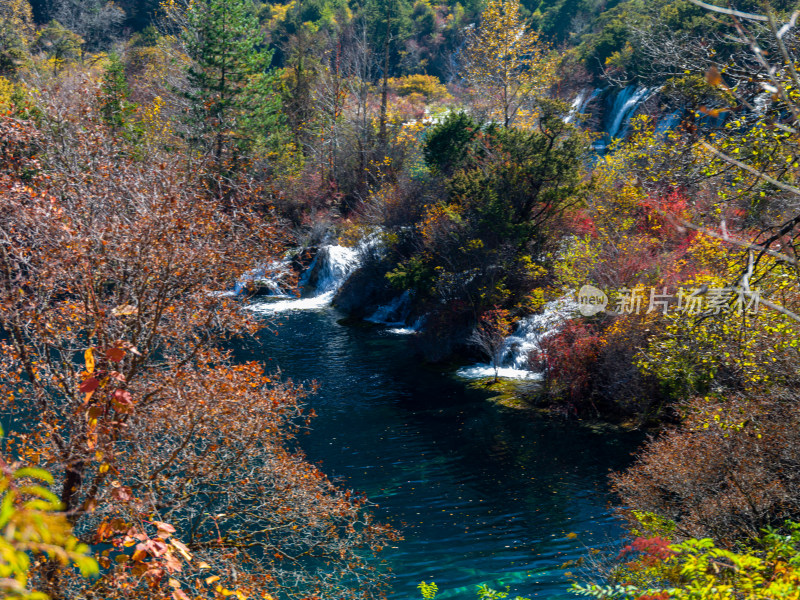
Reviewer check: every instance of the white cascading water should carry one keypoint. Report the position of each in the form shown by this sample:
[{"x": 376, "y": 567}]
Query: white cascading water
[
  {"x": 581, "y": 101},
  {"x": 331, "y": 267},
  {"x": 273, "y": 277},
  {"x": 395, "y": 313},
  {"x": 411, "y": 330},
  {"x": 527, "y": 338},
  {"x": 625, "y": 105}
]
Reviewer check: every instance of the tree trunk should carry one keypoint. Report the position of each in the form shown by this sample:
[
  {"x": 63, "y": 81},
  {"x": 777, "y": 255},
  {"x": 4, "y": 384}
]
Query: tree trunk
[{"x": 385, "y": 85}]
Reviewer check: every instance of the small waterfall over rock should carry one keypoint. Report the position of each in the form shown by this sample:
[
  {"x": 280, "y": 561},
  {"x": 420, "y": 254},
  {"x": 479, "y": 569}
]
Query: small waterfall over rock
[
  {"x": 395, "y": 313},
  {"x": 329, "y": 269},
  {"x": 331, "y": 266},
  {"x": 526, "y": 339},
  {"x": 396, "y": 316},
  {"x": 270, "y": 280}
]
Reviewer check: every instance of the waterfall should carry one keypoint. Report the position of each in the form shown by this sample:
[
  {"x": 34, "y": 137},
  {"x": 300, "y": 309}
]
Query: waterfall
[
  {"x": 581, "y": 102},
  {"x": 395, "y": 313},
  {"x": 526, "y": 338},
  {"x": 413, "y": 329},
  {"x": 329, "y": 269},
  {"x": 269, "y": 280},
  {"x": 625, "y": 105}
]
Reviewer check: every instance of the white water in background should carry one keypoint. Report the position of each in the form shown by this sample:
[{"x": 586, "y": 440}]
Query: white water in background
[
  {"x": 273, "y": 276},
  {"x": 526, "y": 339},
  {"x": 331, "y": 267},
  {"x": 581, "y": 101},
  {"x": 413, "y": 329}
]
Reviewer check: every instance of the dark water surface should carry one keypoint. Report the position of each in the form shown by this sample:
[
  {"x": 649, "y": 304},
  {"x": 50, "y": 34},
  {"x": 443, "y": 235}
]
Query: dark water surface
[{"x": 480, "y": 495}]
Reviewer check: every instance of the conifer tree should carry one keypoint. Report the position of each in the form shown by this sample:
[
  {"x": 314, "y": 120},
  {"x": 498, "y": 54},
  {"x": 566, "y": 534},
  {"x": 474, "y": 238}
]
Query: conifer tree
[
  {"x": 231, "y": 86},
  {"x": 114, "y": 91}
]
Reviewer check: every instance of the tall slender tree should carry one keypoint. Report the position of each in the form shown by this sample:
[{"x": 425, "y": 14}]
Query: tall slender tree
[
  {"x": 231, "y": 87},
  {"x": 506, "y": 63}
]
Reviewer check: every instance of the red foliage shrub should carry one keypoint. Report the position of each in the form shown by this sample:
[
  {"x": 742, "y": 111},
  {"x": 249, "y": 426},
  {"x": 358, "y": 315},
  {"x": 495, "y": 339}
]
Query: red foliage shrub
[
  {"x": 569, "y": 356},
  {"x": 656, "y": 548}
]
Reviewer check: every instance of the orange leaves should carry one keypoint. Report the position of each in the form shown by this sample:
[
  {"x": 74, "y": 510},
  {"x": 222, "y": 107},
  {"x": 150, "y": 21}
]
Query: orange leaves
[
  {"x": 127, "y": 263},
  {"x": 713, "y": 77}
]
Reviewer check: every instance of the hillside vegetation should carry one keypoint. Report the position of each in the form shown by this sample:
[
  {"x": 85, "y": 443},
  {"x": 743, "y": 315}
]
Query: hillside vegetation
[{"x": 153, "y": 154}]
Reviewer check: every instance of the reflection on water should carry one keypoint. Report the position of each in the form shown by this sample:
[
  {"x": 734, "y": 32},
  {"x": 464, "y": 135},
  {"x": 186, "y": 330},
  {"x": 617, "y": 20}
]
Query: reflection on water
[{"x": 480, "y": 495}]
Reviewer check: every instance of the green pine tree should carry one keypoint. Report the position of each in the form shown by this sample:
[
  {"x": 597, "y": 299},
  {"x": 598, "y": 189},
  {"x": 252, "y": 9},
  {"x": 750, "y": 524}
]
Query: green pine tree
[
  {"x": 115, "y": 107},
  {"x": 232, "y": 89}
]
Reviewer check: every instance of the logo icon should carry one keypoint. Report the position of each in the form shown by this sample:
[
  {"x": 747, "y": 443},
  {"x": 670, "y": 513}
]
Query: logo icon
[{"x": 591, "y": 301}]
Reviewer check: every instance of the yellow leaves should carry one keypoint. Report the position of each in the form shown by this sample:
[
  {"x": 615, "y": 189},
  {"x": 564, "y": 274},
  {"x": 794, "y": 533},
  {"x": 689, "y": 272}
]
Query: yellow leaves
[
  {"x": 124, "y": 310},
  {"x": 182, "y": 549},
  {"x": 226, "y": 593},
  {"x": 713, "y": 77},
  {"x": 88, "y": 356},
  {"x": 508, "y": 60}
]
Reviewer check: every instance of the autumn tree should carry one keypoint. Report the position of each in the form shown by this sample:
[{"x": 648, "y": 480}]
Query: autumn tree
[
  {"x": 507, "y": 63},
  {"x": 490, "y": 335},
  {"x": 58, "y": 43},
  {"x": 175, "y": 461},
  {"x": 16, "y": 33}
]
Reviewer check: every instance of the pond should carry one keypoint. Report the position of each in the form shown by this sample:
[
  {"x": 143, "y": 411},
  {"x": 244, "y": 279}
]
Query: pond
[{"x": 480, "y": 494}]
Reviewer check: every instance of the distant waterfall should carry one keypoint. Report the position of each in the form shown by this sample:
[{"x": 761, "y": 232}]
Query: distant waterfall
[
  {"x": 270, "y": 280},
  {"x": 396, "y": 316},
  {"x": 395, "y": 313},
  {"x": 625, "y": 104},
  {"x": 526, "y": 338},
  {"x": 581, "y": 102}
]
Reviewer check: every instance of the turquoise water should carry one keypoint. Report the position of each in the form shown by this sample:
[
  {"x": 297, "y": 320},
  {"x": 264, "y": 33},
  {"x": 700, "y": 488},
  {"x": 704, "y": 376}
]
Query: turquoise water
[{"x": 480, "y": 495}]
